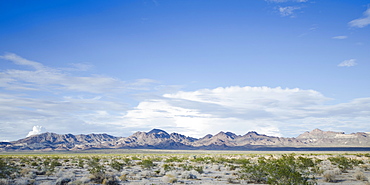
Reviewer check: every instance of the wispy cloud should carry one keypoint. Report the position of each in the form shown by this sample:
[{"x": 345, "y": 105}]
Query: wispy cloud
[
  {"x": 363, "y": 21},
  {"x": 60, "y": 101},
  {"x": 21, "y": 61},
  {"x": 348, "y": 63},
  {"x": 341, "y": 37},
  {"x": 287, "y": 11},
  {"x": 43, "y": 78},
  {"x": 78, "y": 67}
]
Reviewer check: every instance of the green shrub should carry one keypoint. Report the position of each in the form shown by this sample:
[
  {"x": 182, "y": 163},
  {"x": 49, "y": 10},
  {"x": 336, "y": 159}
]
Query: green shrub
[
  {"x": 186, "y": 167},
  {"x": 147, "y": 164},
  {"x": 80, "y": 163},
  {"x": 344, "y": 163},
  {"x": 255, "y": 173},
  {"x": 168, "y": 167},
  {"x": 283, "y": 171},
  {"x": 242, "y": 161},
  {"x": 173, "y": 159},
  {"x": 127, "y": 161},
  {"x": 116, "y": 165},
  {"x": 55, "y": 163}
]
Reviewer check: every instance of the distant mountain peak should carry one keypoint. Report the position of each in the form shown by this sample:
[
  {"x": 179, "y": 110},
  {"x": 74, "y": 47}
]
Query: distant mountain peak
[
  {"x": 226, "y": 134},
  {"x": 317, "y": 130},
  {"x": 252, "y": 133},
  {"x": 157, "y": 131},
  {"x": 230, "y": 134}
]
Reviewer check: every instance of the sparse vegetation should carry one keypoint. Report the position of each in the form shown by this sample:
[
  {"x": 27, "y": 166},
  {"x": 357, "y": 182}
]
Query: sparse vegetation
[
  {"x": 344, "y": 163},
  {"x": 7, "y": 169},
  {"x": 277, "y": 169}
]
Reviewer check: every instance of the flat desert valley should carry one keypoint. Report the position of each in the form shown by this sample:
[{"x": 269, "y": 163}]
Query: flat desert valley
[{"x": 135, "y": 166}]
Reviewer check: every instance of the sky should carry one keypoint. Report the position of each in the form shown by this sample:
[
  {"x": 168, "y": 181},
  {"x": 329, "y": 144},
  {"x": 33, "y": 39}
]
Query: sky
[{"x": 277, "y": 67}]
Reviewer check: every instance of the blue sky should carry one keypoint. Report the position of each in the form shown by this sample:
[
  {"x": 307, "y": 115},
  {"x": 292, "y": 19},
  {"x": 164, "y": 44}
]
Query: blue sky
[{"x": 278, "y": 67}]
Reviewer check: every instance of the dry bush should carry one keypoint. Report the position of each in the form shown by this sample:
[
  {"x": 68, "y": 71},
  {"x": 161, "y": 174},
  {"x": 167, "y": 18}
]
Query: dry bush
[
  {"x": 23, "y": 181},
  {"x": 110, "y": 180},
  {"x": 147, "y": 173},
  {"x": 337, "y": 171},
  {"x": 188, "y": 175},
  {"x": 5, "y": 182},
  {"x": 123, "y": 177},
  {"x": 359, "y": 175},
  {"x": 25, "y": 171},
  {"x": 366, "y": 167},
  {"x": 47, "y": 183},
  {"x": 62, "y": 181},
  {"x": 216, "y": 167},
  {"x": 97, "y": 177},
  {"x": 137, "y": 177},
  {"x": 169, "y": 178},
  {"x": 329, "y": 176},
  {"x": 80, "y": 181}
]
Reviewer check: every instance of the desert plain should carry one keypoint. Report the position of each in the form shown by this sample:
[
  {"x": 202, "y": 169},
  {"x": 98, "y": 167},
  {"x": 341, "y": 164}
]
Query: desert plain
[{"x": 185, "y": 167}]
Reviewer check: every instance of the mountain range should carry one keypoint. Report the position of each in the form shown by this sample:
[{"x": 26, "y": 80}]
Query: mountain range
[{"x": 160, "y": 139}]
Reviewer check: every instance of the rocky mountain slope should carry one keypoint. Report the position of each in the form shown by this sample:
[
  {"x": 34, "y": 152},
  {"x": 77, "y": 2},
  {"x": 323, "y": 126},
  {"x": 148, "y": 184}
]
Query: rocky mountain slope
[{"x": 159, "y": 139}]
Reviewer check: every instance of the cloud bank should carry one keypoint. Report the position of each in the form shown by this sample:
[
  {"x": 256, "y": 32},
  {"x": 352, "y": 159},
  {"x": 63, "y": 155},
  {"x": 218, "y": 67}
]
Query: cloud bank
[{"x": 272, "y": 111}]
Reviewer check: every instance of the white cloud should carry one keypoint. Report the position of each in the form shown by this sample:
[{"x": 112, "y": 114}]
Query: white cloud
[
  {"x": 36, "y": 130},
  {"x": 340, "y": 37},
  {"x": 238, "y": 109},
  {"x": 361, "y": 22},
  {"x": 271, "y": 111},
  {"x": 288, "y": 10},
  {"x": 348, "y": 63}
]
